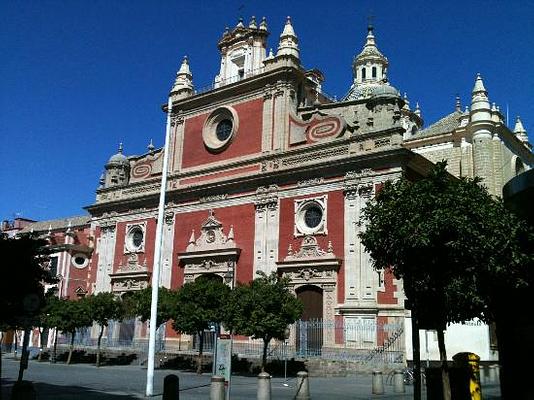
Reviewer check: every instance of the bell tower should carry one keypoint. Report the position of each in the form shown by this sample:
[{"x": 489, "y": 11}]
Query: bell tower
[{"x": 243, "y": 50}]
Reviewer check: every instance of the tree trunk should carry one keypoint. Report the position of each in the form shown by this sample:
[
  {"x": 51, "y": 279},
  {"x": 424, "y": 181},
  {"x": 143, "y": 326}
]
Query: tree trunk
[
  {"x": 444, "y": 366},
  {"x": 24, "y": 356},
  {"x": 200, "y": 349},
  {"x": 54, "y": 353},
  {"x": 15, "y": 342},
  {"x": 71, "y": 348},
  {"x": 98, "y": 345},
  {"x": 416, "y": 357},
  {"x": 264, "y": 355},
  {"x": 40, "y": 344}
]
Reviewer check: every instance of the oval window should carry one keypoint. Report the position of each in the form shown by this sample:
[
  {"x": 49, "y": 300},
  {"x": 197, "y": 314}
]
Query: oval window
[{"x": 313, "y": 216}]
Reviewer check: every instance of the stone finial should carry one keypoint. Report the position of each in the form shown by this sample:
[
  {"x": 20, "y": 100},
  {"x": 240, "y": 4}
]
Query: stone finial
[
  {"x": 288, "y": 45},
  {"x": 479, "y": 85},
  {"x": 263, "y": 24},
  {"x": 150, "y": 147},
  {"x": 417, "y": 110},
  {"x": 466, "y": 110},
  {"x": 520, "y": 131},
  {"x": 231, "y": 233},
  {"x": 458, "y": 104},
  {"x": 406, "y": 102},
  {"x": 252, "y": 24},
  {"x": 120, "y": 148},
  {"x": 480, "y": 105},
  {"x": 271, "y": 55},
  {"x": 183, "y": 84},
  {"x": 192, "y": 237},
  {"x": 240, "y": 23},
  {"x": 226, "y": 30}
]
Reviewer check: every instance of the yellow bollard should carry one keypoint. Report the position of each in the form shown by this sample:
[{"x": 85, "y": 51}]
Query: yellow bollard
[{"x": 470, "y": 362}]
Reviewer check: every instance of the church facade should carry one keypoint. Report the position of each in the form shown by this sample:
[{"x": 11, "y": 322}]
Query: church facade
[{"x": 267, "y": 173}]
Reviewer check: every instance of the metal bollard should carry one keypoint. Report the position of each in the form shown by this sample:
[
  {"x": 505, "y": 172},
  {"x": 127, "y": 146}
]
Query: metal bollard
[
  {"x": 492, "y": 374},
  {"x": 171, "y": 388},
  {"x": 398, "y": 382},
  {"x": 217, "y": 388},
  {"x": 303, "y": 386},
  {"x": 264, "y": 386},
  {"x": 378, "y": 382},
  {"x": 482, "y": 375}
]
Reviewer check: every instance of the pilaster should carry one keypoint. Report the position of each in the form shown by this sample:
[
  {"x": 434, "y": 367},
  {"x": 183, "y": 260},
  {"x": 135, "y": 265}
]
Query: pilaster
[{"x": 266, "y": 229}]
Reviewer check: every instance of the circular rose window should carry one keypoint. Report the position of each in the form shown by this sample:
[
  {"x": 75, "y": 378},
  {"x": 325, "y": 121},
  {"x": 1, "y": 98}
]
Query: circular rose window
[{"x": 220, "y": 129}]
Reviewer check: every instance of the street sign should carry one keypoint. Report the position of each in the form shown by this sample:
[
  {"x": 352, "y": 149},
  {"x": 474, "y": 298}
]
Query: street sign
[{"x": 224, "y": 357}]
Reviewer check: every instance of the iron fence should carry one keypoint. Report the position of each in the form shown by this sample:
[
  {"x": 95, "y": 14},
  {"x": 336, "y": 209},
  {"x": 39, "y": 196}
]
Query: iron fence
[{"x": 358, "y": 340}]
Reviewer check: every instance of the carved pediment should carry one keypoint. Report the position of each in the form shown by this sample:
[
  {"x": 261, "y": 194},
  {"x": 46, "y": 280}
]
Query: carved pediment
[
  {"x": 310, "y": 264},
  {"x": 310, "y": 249},
  {"x": 213, "y": 252},
  {"x": 211, "y": 236}
]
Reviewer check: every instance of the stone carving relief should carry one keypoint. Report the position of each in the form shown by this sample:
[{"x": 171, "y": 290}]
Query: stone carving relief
[
  {"x": 266, "y": 198},
  {"x": 310, "y": 249},
  {"x": 317, "y": 129},
  {"x": 213, "y": 252}
]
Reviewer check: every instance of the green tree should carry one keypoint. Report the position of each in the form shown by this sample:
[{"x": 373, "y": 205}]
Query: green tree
[
  {"x": 262, "y": 309},
  {"x": 24, "y": 274},
  {"x": 138, "y": 304},
  {"x": 455, "y": 247},
  {"x": 103, "y": 307},
  {"x": 68, "y": 316},
  {"x": 197, "y": 304}
]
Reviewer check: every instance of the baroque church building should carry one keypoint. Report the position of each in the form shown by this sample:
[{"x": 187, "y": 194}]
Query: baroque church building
[{"x": 267, "y": 173}]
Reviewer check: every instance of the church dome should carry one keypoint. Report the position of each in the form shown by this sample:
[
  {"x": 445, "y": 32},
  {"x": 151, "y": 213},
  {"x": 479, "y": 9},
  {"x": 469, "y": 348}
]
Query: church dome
[
  {"x": 119, "y": 158},
  {"x": 384, "y": 91}
]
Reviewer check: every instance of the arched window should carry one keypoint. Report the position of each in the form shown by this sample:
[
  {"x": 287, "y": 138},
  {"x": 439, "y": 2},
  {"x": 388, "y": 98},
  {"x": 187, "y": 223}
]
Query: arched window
[
  {"x": 363, "y": 73},
  {"x": 373, "y": 72}
]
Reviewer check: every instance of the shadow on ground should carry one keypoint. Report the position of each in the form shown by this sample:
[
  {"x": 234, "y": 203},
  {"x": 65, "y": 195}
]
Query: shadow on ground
[{"x": 46, "y": 391}]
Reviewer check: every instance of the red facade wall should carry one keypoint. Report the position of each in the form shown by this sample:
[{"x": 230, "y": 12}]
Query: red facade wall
[
  {"x": 335, "y": 222},
  {"x": 241, "y": 217},
  {"x": 247, "y": 139},
  {"x": 388, "y": 295}
]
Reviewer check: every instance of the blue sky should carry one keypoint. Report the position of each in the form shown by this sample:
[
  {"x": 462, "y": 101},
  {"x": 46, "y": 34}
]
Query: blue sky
[{"x": 78, "y": 77}]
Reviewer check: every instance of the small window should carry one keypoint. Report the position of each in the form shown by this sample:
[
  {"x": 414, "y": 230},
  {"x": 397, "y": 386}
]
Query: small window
[
  {"x": 80, "y": 260},
  {"x": 363, "y": 73},
  {"x": 373, "y": 72}
]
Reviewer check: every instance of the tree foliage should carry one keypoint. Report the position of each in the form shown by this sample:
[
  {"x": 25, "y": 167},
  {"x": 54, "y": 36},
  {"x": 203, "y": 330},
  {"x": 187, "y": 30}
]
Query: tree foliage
[
  {"x": 138, "y": 304},
  {"x": 454, "y": 245},
  {"x": 262, "y": 309},
  {"x": 67, "y": 316},
  {"x": 24, "y": 274},
  {"x": 457, "y": 249},
  {"x": 103, "y": 307},
  {"x": 197, "y": 304}
]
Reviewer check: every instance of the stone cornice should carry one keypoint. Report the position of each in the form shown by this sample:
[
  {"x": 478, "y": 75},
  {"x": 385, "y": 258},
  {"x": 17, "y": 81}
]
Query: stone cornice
[{"x": 326, "y": 167}]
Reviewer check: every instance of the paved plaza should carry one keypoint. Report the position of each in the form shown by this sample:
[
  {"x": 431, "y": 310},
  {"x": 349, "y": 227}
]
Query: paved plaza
[{"x": 83, "y": 381}]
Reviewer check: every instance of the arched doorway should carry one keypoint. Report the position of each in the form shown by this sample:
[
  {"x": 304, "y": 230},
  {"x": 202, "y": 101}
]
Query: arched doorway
[{"x": 310, "y": 329}]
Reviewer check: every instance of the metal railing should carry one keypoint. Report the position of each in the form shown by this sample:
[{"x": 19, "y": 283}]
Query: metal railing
[{"x": 362, "y": 341}]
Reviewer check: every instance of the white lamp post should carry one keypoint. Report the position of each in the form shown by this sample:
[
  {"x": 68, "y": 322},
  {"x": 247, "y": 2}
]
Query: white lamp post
[{"x": 157, "y": 260}]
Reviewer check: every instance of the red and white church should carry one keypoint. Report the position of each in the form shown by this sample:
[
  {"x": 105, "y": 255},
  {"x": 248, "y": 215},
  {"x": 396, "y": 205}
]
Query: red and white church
[{"x": 267, "y": 173}]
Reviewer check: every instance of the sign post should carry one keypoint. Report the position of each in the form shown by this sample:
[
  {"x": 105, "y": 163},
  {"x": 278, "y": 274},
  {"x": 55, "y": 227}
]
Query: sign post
[{"x": 223, "y": 362}]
